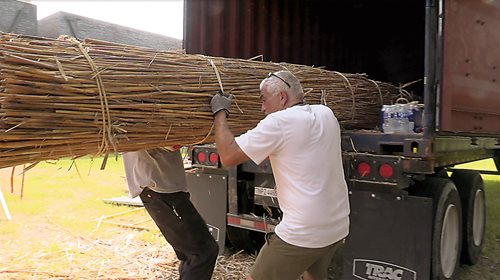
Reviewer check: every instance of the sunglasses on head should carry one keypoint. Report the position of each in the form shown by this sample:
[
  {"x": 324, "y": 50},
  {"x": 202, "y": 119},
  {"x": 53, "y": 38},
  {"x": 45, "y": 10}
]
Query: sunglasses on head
[{"x": 274, "y": 75}]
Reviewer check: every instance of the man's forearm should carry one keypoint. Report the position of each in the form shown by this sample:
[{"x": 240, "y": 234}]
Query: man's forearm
[{"x": 229, "y": 151}]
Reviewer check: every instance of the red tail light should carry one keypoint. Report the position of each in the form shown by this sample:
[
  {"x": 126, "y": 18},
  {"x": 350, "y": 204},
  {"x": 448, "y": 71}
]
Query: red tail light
[
  {"x": 201, "y": 157},
  {"x": 363, "y": 169},
  {"x": 213, "y": 158},
  {"x": 386, "y": 171}
]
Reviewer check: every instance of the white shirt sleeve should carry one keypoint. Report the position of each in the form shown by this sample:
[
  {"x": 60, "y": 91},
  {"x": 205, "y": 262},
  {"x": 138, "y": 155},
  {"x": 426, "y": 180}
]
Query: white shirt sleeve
[{"x": 261, "y": 141}]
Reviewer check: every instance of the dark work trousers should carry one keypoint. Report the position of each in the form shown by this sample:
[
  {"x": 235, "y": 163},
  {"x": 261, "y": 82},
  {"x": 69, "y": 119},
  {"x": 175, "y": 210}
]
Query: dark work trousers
[{"x": 184, "y": 229}]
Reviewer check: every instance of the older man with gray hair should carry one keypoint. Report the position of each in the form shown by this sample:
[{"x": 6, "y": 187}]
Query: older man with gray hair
[{"x": 302, "y": 142}]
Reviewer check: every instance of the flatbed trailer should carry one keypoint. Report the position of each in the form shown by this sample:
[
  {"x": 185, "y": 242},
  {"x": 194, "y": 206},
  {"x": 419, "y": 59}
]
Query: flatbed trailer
[{"x": 410, "y": 219}]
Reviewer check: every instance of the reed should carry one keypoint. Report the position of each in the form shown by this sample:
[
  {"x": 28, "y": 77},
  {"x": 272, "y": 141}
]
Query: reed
[{"x": 67, "y": 98}]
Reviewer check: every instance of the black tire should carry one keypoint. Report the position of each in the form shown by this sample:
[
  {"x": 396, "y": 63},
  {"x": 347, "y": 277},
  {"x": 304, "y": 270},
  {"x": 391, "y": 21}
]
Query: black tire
[
  {"x": 247, "y": 240},
  {"x": 447, "y": 226},
  {"x": 472, "y": 196},
  {"x": 442, "y": 173}
]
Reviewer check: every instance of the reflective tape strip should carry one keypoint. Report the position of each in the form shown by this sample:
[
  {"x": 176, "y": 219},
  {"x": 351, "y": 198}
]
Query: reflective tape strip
[{"x": 244, "y": 223}]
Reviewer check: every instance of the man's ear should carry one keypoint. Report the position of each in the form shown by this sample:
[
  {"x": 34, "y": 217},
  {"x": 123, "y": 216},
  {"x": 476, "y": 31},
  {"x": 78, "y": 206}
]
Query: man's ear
[{"x": 283, "y": 97}]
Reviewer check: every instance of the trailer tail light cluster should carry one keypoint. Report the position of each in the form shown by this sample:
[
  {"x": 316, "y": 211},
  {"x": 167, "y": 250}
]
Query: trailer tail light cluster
[
  {"x": 374, "y": 170},
  {"x": 205, "y": 156}
]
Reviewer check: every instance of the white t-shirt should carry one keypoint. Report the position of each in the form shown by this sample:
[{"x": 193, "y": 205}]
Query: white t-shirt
[
  {"x": 303, "y": 145},
  {"x": 159, "y": 169}
]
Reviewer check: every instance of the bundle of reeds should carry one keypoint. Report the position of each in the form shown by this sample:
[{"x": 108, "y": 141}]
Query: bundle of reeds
[{"x": 69, "y": 98}]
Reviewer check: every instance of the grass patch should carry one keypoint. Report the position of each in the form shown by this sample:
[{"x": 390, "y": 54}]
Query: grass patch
[
  {"x": 61, "y": 226},
  {"x": 493, "y": 216},
  {"x": 67, "y": 193},
  {"x": 9, "y": 229}
]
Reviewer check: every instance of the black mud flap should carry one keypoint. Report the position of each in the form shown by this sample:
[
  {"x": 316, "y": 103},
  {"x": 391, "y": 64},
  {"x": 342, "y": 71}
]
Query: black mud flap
[
  {"x": 209, "y": 196},
  {"x": 390, "y": 237}
]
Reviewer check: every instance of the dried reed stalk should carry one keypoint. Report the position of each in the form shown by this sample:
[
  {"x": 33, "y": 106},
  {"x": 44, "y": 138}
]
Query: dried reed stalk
[
  {"x": 65, "y": 98},
  {"x": 112, "y": 252}
]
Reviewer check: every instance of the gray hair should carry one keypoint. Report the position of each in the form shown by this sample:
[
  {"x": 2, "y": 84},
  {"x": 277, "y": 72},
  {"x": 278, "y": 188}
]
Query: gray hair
[{"x": 283, "y": 81}]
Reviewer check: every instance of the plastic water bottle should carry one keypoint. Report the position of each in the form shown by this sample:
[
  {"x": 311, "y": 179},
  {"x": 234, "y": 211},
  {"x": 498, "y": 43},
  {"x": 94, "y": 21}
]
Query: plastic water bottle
[
  {"x": 418, "y": 115},
  {"x": 400, "y": 118},
  {"x": 388, "y": 120},
  {"x": 381, "y": 119},
  {"x": 384, "y": 118},
  {"x": 411, "y": 109}
]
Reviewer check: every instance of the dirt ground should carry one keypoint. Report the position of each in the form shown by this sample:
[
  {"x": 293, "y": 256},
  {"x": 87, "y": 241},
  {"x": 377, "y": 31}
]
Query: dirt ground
[
  {"x": 46, "y": 250},
  {"x": 63, "y": 230}
]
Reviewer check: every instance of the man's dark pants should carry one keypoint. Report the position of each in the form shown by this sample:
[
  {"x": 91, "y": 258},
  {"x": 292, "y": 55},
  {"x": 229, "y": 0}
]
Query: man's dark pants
[{"x": 184, "y": 229}]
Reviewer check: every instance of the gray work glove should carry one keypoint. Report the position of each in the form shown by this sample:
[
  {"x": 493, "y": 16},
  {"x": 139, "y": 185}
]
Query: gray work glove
[{"x": 221, "y": 102}]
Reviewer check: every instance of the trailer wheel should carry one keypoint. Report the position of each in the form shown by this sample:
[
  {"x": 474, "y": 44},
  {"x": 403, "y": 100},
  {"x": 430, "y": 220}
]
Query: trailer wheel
[
  {"x": 447, "y": 226},
  {"x": 243, "y": 239},
  {"x": 442, "y": 173},
  {"x": 471, "y": 189}
]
